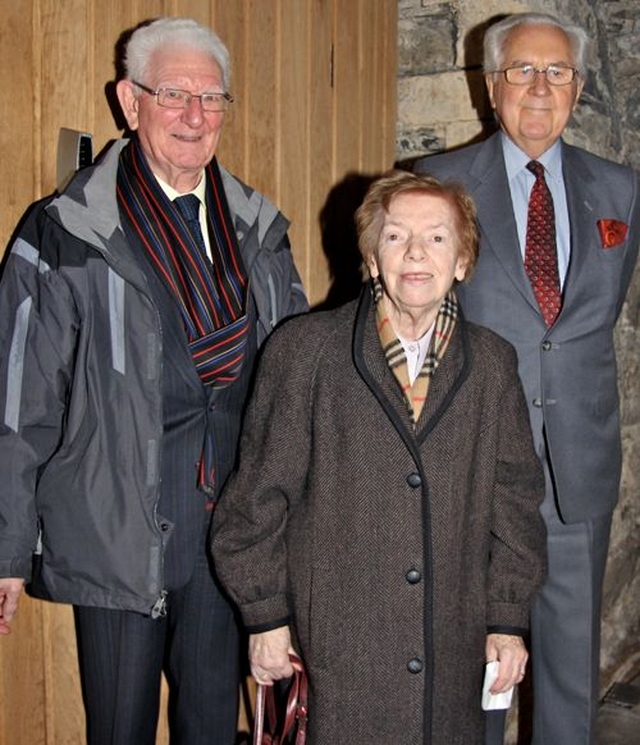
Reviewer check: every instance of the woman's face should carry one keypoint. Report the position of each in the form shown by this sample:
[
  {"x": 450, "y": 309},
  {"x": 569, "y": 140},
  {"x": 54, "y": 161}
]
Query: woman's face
[{"x": 417, "y": 258}]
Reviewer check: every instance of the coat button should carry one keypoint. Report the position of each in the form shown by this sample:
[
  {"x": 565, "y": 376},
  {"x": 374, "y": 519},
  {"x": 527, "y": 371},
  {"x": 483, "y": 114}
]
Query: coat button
[
  {"x": 537, "y": 402},
  {"x": 414, "y": 666},
  {"x": 546, "y": 346},
  {"x": 414, "y": 480},
  {"x": 413, "y": 576}
]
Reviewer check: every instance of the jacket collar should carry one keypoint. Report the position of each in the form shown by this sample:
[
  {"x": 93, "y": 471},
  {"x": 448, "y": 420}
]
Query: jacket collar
[
  {"x": 489, "y": 186},
  {"x": 372, "y": 366},
  {"x": 88, "y": 207}
]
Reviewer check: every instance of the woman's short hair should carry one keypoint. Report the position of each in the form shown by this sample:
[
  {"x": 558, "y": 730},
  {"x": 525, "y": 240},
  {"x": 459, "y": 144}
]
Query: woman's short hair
[
  {"x": 371, "y": 213},
  {"x": 166, "y": 33},
  {"x": 496, "y": 36}
]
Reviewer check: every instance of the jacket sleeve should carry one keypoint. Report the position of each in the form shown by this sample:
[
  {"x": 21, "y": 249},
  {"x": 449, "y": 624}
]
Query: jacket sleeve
[
  {"x": 633, "y": 240},
  {"x": 37, "y": 333},
  {"x": 252, "y": 517},
  {"x": 276, "y": 284},
  {"x": 287, "y": 282},
  {"x": 518, "y": 537}
]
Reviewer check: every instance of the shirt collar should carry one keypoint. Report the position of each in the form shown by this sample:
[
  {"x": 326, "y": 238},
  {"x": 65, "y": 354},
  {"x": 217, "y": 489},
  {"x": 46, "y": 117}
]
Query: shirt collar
[
  {"x": 516, "y": 159},
  {"x": 199, "y": 191}
]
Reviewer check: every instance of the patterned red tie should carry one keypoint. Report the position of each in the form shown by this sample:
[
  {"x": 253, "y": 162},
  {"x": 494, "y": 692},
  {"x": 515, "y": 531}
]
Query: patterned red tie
[{"x": 540, "y": 256}]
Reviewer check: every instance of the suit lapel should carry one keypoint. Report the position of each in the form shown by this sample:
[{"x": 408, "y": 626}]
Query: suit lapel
[
  {"x": 580, "y": 186},
  {"x": 499, "y": 233}
]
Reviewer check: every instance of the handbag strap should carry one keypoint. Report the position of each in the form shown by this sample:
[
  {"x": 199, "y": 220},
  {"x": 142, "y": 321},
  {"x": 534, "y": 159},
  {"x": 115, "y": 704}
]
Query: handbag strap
[
  {"x": 296, "y": 710},
  {"x": 258, "y": 717}
]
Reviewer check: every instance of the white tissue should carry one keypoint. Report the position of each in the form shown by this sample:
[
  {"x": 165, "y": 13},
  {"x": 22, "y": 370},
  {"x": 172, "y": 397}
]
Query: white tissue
[{"x": 494, "y": 700}]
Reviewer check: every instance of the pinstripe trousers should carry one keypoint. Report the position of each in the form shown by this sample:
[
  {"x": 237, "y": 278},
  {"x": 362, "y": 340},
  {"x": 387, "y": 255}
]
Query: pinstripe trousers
[{"x": 122, "y": 655}]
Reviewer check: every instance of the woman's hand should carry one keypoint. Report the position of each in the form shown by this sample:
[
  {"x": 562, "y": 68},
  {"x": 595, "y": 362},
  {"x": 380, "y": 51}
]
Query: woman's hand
[
  {"x": 269, "y": 655},
  {"x": 512, "y": 655}
]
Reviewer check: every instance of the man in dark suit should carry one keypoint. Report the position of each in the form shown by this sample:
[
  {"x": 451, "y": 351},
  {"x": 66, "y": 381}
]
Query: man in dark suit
[
  {"x": 132, "y": 307},
  {"x": 558, "y": 247}
]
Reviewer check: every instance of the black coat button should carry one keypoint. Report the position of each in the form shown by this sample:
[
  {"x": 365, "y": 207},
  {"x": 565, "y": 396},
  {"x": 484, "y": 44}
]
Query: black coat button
[
  {"x": 414, "y": 480},
  {"x": 537, "y": 402},
  {"x": 546, "y": 346},
  {"x": 413, "y": 576},
  {"x": 414, "y": 665}
]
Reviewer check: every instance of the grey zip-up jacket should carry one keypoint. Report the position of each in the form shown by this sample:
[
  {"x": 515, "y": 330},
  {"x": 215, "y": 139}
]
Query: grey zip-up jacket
[{"x": 81, "y": 389}]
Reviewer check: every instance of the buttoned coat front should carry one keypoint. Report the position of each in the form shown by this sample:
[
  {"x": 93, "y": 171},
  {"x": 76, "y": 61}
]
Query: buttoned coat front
[{"x": 388, "y": 550}]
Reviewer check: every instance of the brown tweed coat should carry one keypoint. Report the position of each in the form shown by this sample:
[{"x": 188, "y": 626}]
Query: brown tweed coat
[{"x": 390, "y": 551}]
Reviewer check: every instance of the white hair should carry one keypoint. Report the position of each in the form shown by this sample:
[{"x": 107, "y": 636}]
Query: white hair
[
  {"x": 173, "y": 32},
  {"x": 496, "y": 36}
]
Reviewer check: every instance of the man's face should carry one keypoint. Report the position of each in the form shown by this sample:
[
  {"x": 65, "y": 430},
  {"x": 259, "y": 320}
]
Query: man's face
[
  {"x": 534, "y": 116},
  {"x": 178, "y": 143}
]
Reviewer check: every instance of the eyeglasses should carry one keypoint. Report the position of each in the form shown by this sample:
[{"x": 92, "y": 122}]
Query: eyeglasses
[
  {"x": 526, "y": 74},
  {"x": 174, "y": 98}
]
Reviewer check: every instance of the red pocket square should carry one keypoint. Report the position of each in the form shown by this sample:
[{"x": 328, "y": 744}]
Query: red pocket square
[{"x": 612, "y": 232}]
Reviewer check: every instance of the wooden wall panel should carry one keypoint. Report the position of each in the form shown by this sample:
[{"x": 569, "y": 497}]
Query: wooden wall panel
[
  {"x": 347, "y": 132},
  {"x": 63, "y": 698},
  {"x": 320, "y": 155},
  {"x": 261, "y": 93},
  {"x": 314, "y": 82},
  {"x": 373, "y": 60},
  {"x": 64, "y": 92},
  {"x": 22, "y": 679},
  {"x": 22, "y": 688},
  {"x": 293, "y": 142},
  {"x": 20, "y": 115},
  {"x": 230, "y": 22},
  {"x": 109, "y": 20}
]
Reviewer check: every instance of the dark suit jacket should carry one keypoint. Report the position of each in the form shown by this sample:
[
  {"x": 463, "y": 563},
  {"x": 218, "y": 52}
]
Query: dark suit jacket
[{"x": 568, "y": 371}]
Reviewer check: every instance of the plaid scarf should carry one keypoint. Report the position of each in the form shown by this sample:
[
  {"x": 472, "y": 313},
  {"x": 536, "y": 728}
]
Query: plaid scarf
[
  {"x": 415, "y": 395},
  {"x": 211, "y": 296}
]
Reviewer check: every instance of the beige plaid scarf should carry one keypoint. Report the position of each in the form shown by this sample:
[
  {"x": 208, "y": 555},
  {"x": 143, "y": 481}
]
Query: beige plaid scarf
[{"x": 415, "y": 395}]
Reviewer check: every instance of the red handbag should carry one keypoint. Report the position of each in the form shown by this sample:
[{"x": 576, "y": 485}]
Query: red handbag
[{"x": 287, "y": 723}]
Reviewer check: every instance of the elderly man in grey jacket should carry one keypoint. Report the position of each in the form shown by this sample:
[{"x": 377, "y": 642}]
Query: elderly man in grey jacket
[
  {"x": 129, "y": 326},
  {"x": 560, "y": 229}
]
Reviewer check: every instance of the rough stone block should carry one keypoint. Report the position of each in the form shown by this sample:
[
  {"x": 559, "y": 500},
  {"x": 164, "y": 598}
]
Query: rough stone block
[
  {"x": 426, "y": 43},
  {"x": 442, "y": 97}
]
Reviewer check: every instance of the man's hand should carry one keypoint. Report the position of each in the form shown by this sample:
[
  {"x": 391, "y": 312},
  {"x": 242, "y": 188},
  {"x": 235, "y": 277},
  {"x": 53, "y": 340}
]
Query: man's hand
[
  {"x": 269, "y": 655},
  {"x": 10, "y": 589},
  {"x": 512, "y": 655}
]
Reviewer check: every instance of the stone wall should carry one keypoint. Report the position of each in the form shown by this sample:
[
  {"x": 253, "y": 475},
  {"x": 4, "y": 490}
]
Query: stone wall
[{"x": 442, "y": 103}]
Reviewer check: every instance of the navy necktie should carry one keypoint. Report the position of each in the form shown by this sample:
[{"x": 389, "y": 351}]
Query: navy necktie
[
  {"x": 540, "y": 256},
  {"x": 189, "y": 207}
]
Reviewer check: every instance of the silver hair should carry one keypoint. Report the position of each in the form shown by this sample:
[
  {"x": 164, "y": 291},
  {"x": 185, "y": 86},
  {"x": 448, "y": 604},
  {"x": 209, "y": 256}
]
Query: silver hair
[
  {"x": 495, "y": 39},
  {"x": 173, "y": 32}
]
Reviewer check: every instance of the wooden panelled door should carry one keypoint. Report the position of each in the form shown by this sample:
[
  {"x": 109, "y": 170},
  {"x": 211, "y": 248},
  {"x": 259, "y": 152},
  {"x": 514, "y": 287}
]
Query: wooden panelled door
[{"x": 314, "y": 118}]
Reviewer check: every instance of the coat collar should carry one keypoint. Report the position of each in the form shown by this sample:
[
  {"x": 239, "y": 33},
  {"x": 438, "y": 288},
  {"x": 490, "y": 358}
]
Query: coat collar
[{"x": 372, "y": 366}]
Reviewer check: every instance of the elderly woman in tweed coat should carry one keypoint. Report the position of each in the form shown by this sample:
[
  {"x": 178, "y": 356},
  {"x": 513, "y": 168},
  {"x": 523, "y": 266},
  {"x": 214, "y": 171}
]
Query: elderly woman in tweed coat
[{"x": 383, "y": 521}]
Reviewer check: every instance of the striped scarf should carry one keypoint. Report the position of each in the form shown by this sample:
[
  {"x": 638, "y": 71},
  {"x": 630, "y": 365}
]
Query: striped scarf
[
  {"x": 211, "y": 295},
  {"x": 415, "y": 395}
]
